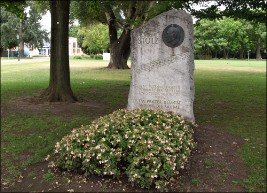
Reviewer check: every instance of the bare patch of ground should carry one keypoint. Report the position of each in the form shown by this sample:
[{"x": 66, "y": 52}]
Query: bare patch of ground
[{"x": 38, "y": 105}]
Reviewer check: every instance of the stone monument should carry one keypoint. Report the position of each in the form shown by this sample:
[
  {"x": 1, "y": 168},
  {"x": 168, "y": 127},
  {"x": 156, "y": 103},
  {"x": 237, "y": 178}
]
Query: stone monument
[{"x": 162, "y": 69}]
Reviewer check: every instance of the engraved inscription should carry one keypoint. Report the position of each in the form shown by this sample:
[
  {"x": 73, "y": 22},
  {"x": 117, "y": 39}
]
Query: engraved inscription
[
  {"x": 157, "y": 96},
  {"x": 160, "y": 63},
  {"x": 147, "y": 40},
  {"x": 154, "y": 90},
  {"x": 158, "y": 104}
]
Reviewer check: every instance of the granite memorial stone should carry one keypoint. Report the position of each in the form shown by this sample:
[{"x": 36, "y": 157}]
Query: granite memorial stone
[{"x": 162, "y": 70}]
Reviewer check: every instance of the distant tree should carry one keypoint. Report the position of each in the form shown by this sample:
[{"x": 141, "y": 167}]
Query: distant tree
[
  {"x": 242, "y": 36},
  {"x": 33, "y": 34},
  {"x": 15, "y": 7},
  {"x": 204, "y": 44},
  {"x": 9, "y": 29},
  {"x": 258, "y": 36},
  {"x": 28, "y": 28},
  {"x": 229, "y": 36},
  {"x": 73, "y": 30},
  {"x": 94, "y": 38},
  {"x": 250, "y": 10}
]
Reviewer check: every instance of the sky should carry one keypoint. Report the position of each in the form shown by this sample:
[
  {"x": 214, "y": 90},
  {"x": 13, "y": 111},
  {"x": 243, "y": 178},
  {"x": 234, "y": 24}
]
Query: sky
[{"x": 46, "y": 21}]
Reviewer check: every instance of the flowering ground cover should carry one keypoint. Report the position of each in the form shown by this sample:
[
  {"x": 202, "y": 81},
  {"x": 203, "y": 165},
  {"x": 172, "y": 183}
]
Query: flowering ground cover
[
  {"x": 230, "y": 109},
  {"x": 151, "y": 146}
]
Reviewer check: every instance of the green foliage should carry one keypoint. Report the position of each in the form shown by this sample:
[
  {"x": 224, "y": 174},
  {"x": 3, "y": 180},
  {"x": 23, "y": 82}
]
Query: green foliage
[
  {"x": 96, "y": 56},
  {"x": 228, "y": 36},
  {"x": 150, "y": 146},
  {"x": 9, "y": 29},
  {"x": 49, "y": 176},
  {"x": 33, "y": 34},
  {"x": 195, "y": 181},
  {"x": 77, "y": 57},
  {"x": 15, "y": 7},
  {"x": 250, "y": 10},
  {"x": 94, "y": 39},
  {"x": 31, "y": 27},
  {"x": 73, "y": 32}
]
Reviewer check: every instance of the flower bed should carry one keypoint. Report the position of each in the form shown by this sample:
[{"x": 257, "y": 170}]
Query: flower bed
[{"x": 149, "y": 146}]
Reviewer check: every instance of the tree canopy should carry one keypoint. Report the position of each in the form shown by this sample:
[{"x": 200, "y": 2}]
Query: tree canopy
[
  {"x": 29, "y": 25},
  {"x": 228, "y": 36},
  {"x": 251, "y": 10},
  {"x": 94, "y": 39},
  {"x": 15, "y": 7}
]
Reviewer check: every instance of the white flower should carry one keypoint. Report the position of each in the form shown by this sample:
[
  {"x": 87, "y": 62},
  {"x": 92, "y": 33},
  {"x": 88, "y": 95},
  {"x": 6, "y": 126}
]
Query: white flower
[
  {"x": 47, "y": 157},
  {"x": 57, "y": 145}
]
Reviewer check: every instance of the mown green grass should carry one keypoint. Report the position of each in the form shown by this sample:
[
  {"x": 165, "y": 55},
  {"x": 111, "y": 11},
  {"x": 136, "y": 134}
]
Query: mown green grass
[
  {"x": 230, "y": 95},
  {"x": 235, "y": 100}
]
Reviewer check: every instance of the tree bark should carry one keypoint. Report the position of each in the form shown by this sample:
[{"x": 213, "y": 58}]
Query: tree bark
[
  {"x": 21, "y": 42},
  {"x": 120, "y": 51},
  {"x": 241, "y": 54},
  {"x": 225, "y": 53},
  {"x": 119, "y": 48},
  {"x": 59, "y": 88},
  {"x": 258, "y": 48}
]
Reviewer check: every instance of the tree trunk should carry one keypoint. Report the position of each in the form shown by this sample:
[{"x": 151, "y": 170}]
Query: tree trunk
[
  {"x": 119, "y": 48},
  {"x": 225, "y": 53},
  {"x": 241, "y": 54},
  {"x": 21, "y": 42},
  {"x": 216, "y": 54},
  {"x": 59, "y": 88},
  {"x": 258, "y": 48},
  {"x": 120, "y": 51}
]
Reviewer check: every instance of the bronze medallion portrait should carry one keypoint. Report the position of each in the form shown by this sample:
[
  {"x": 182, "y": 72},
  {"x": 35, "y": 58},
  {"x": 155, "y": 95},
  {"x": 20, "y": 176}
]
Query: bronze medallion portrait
[{"x": 173, "y": 35}]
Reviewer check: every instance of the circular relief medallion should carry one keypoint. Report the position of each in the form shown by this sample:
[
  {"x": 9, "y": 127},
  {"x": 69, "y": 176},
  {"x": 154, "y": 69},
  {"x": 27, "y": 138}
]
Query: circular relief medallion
[{"x": 173, "y": 35}]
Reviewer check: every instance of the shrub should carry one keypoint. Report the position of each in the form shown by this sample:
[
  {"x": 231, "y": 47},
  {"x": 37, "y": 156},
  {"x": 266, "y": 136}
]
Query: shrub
[
  {"x": 85, "y": 56},
  {"x": 149, "y": 146},
  {"x": 98, "y": 56},
  {"x": 77, "y": 57}
]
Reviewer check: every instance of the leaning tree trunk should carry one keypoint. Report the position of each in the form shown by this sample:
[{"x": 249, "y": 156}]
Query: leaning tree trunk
[
  {"x": 120, "y": 51},
  {"x": 258, "y": 48},
  {"x": 119, "y": 48},
  {"x": 59, "y": 88}
]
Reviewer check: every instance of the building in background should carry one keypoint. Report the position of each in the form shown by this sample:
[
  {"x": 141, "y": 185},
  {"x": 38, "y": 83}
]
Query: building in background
[{"x": 74, "y": 48}]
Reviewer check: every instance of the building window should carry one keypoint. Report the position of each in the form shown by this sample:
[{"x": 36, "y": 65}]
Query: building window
[{"x": 74, "y": 44}]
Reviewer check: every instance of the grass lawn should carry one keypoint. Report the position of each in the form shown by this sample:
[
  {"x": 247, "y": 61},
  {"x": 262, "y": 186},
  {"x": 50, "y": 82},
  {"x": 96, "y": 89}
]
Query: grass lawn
[{"x": 230, "y": 95}]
